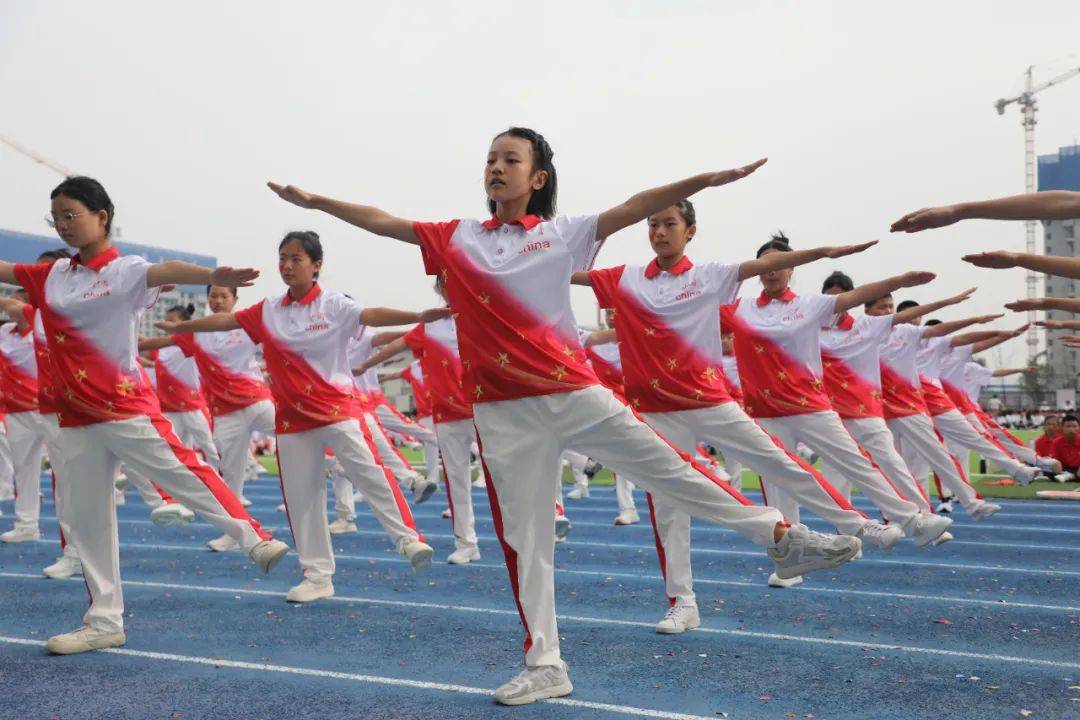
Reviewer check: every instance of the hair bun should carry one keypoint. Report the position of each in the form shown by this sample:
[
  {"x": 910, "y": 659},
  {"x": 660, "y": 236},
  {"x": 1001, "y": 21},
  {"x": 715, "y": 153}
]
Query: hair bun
[{"x": 191, "y": 308}]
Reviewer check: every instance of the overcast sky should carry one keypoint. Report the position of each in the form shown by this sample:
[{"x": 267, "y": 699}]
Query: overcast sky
[{"x": 866, "y": 110}]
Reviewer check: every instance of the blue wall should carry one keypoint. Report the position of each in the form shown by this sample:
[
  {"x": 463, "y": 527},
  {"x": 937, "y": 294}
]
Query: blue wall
[{"x": 1060, "y": 171}]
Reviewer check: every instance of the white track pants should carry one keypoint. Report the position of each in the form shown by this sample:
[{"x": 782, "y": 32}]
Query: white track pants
[
  {"x": 873, "y": 436},
  {"x": 7, "y": 470},
  {"x": 345, "y": 495},
  {"x": 1010, "y": 442},
  {"x": 960, "y": 437},
  {"x": 577, "y": 463},
  {"x": 303, "y": 484},
  {"x": 390, "y": 457},
  {"x": 150, "y": 447},
  {"x": 193, "y": 429},
  {"x": 394, "y": 421},
  {"x": 827, "y": 436},
  {"x": 431, "y": 450},
  {"x": 521, "y": 441},
  {"x": 624, "y": 494},
  {"x": 57, "y": 452},
  {"x": 922, "y": 449},
  {"x": 455, "y": 439},
  {"x": 27, "y": 439},
  {"x": 232, "y": 436}
]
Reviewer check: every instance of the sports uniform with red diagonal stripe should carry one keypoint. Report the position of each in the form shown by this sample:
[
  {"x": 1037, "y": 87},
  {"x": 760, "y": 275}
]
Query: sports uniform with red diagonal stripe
[
  {"x": 317, "y": 406},
  {"x": 414, "y": 375},
  {"x": 851, "y": 361},
  {"x": 19, "y": 400},
  {"x": 236, "y": 394},
  {"x": 669, "y": 339},
  {"x": 109, "y": 415},
  {"x": 918, "y": 441},
  {"x": 182, "y": 401},
  {"x": 534, "y": 395},
  {"x": 778, "y": 347}
]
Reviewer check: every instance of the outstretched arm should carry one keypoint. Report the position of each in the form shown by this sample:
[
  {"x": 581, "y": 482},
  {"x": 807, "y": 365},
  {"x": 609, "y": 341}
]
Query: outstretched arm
[
  {"x": 1067, "y": 304},
  {"x": 380, "y": 356},
  {"x": 872, "y": 291},
  {"x": 645, "y": 203},
  {"x": 1050, "y": 205},
  {"x": 1051, "y": 265},
  {"x": 914, "y": 313},
  {"x": 942, "y": 329},
  {"x": 12, "y": 307},
  {"x": 218, "y": 322},
  {"x": 385, "y": 317},
  {"x": 7, "y": 273},
  {"x": 383, "y": 377},
  {"x": 366, "y": 217},
  {"x": 178, "y": 272},
  {"x": 1005, "y": 372},
  {"x": 600, "y": 337},
  {"x": 1059, "y": 324},
  {"x": 383, "y": 338},
  {"x": 970, "y": 338},
  {"x": 783, "y": 260},
  {"x": 155, "y": 343}
]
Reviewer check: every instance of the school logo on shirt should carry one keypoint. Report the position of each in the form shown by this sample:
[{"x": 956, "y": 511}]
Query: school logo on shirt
[
  {"x": 317, "y": 322},
  {"x": 534, "y": 246},
  {"x": 793, "y": 316},
  {"x": 688, "y": 291},
  {"x": 99, "y": 289}
]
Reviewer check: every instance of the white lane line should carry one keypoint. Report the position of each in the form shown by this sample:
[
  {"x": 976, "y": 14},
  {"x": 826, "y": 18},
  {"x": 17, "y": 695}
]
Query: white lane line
[
  {"x": 889, "y": 595},
  {"x": 610, "y": 621},
  {"x": 371, "y": 679}
]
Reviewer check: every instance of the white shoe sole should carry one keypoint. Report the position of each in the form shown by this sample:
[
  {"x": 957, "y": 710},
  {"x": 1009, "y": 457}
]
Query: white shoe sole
[
  {"x": 677, "y": 630},
  {"x": 789, "y": 572},
  {"x": 107, "y": 641},
  {"x": 785, "y": 582},
  {"x": 421, "y": 559},
  {"x": 328, "y": 592},
  {"x": 561, "y": 690}
]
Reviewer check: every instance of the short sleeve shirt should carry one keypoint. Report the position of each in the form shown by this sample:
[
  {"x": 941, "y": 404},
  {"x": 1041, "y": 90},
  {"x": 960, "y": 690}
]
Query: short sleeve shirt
[
  {"x": 900, "y": 386},
  {"x": 435, "y": 345},
  {"x": 18, "y": 370},
  {"x": 850, "y": 356}
]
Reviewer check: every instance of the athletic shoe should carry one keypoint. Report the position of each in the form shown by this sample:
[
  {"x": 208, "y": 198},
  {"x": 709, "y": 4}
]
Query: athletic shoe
[
  {"x": 267, "y": 554},
  {"x": 83, "y": 640},
  {"x": 225, "y": 543},
  {"x": 983, "y": 510},
  {"x": 479, "y": 482},
  {"x": 422, "y": 489},
  {"x": 169, "y": 514},
  {"x": 118, "y": 497},
  {"x": 879, "y": 535},
  {"x": 1026, "y": 474},
  {"x": 18, "y": 535},
  {"x": 122, "y": 482},
  {"x": 464, "y": 555},
  {"x": 64, "y": 567},
  {"x": 945, "y": 506},
  {"x": 447, "y": 514},
  {"x": 535, "y": 683},
  {"x": 941, "y": 539},
  {"x": 627, "y": 517},
  {"x": 580, "y": 492},
  {"x": 281, "y": 507},
  {"x": 679, "y": 619},
  {"x": 924, "y": 528},
  {"x": 418, "y": 553},
  {"x": 342, "y": 526},
  {"x": 802, "y": 550},
  {"x": 1064, "y": 477},
  {"x": 1048, "y": 465},
  {"x": 778, "y": 582},
  {"x": 307, "y": 591},
  {"x": 244, "y": 501},
  {"x": 562, "y": 528},
  {"x": 592, "y": 468}
]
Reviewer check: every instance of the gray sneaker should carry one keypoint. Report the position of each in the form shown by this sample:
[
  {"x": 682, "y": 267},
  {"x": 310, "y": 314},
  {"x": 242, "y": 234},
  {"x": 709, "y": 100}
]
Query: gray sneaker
[
  {"x": 802, "y": 550},
  {"x": 983, "y": 510},
  {"x": 535, "y": 683},
  {"x": 880, "y": 535}
]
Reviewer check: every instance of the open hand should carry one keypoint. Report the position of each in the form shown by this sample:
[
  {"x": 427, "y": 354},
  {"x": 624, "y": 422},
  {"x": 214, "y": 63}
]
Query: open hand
[
  {"x": 169, "y": 326},
  {"x": 727, "y": 176},
  {"x": 840, "y": 251},
  {"x": 1028, "y": 304},
  {"x": 293, "y": 194},
  {"x": 926, "y": 218},
  {"x": 995, "y": 259},
  {"x": 916, "y": 278},
  {"x": 233, "y": 277},
  {"x": 433, "y": 314}
]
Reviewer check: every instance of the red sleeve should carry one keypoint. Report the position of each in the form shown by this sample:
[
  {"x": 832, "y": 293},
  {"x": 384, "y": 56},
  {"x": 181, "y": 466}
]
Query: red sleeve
[
  {"x": 32, "y": 278},
  {"x": 154, "y": 354},
  {"x": 186, "y": 343},
  {"x": 250, "y": 320},
  {"x": 727, "y": 313},
  {"x": 407, "y": 375},
  {"x": 434, "y": 241},
  {"x": 604, "y": 282},
  {"x": 414, "y": 340},
  {"x": 28, "y": 313}
]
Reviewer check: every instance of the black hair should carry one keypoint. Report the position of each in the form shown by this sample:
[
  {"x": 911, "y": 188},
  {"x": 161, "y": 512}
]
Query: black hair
[
  {"x": 1049, "y": 417},
  {"x": 905, "y": 305},
  {"x": 309, "y": 242},
  {"x": 932, "y": 323},
  {"x": 54, "y": 255},
  {"x": 686, "y": 209},
  {"x": 543, "y": 201},
  {"x": 90, "y": 193},
  {"x": 779, "y": 241},
  {"x": 838, "y": 280},
  {"x": 1070, "y": 418},
  {"x": 185, "y": 311},
  {"x": 230, "y": 288}
]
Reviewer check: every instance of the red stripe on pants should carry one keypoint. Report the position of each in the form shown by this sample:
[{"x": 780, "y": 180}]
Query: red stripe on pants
[{"x": 660, "y": 554}]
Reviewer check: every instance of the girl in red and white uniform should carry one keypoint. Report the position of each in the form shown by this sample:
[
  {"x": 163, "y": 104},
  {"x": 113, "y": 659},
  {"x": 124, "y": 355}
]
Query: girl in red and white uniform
[
  {"x": 414, "y": 375},
  {"x": 7, "y": 470},
  {"x": 304, "y": 333},
  {"x": 778, "y": 347},
  {"x": 108, "y": 413},
  {"x": 508, "y": 281},
  {"x": 730, "y": 368},
  {"x": 907, "y": 416}
]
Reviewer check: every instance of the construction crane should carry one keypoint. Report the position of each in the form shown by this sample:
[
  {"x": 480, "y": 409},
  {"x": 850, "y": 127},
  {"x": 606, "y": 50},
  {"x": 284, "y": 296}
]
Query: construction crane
[
  {"x": 39, "y": 159},
  {"x": 1026, "y": 101}
]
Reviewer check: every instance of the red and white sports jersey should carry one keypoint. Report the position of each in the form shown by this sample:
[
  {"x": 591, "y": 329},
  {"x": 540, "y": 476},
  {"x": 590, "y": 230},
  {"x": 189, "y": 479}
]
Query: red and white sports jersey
[
  {"x": 228, "y": 369},
  {"x": 778, "y": 349},
  {"x": 46, "y": 376},
  {"x": 414, "y": 375},
  {"x": 435, "y": 344},
  {"x": 952, "y": 378},
  {"x": 976, "y": 377},
  {"x": 731, "y": 377},
  {"x": 509, "y": 285},
  {"x": 18, "y": 369},
  {"x": 90, "y": 313},
  {"x": 177, "y": 380},
  {"x": 901, "y": 391},
  {"x": 304, "y": 342},
  {"x": 932, "y": 352},
  {"x": 850, "y": 356},
  {"x": 367, "y": 385},
  {"x": 669, "y": 331},
  {"x": 606, "y": 362}
]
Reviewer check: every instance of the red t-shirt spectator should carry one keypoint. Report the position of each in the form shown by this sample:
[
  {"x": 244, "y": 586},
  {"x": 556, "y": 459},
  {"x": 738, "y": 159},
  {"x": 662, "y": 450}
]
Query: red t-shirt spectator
[
  {"x": 1044, "y": 446},
  {"x": 1067, "y": 451}
]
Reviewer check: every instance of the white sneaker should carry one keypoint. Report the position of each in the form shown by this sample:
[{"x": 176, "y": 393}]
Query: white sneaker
[
  {"x": 983, "y": 510},
  {"x": 941, "y": 539},
  {"x": 21, "y": 534},
  {"x": 802, "y": 550},
  {"x": 678, "y": 619},
  {"x": 945, "y": 507},
  {"x": 1026, "y": 474},
  {"x": 418, "y": 553},
  {"x": 592, "y": 468},
  {"x": 1064, "y": 477},
  {"x": 464, "y": 555},
  {"x": 535, "y": 683},
  {"x": 778, "y": 582},
  {"x": 627, "y": 517},
  {"x": 280, "y": 508},
  {"x": 879, "y": 535},
  {"x": 422, "y": 489},
  {"x": 342, "y": 526},
  {"x": 169, "y": 514},
  {"x": 122, "y": 482},
  {"x": 1048, "y": 464},
  {"x": 562, "y": 527},
  {"x": 580, "y": 492},
  {"x": 225, "y": 543},
  {"x": 480, "y": 481},
  {"x": 925, "y": 528},
  {"x": 83, "y": 640},
  {"x": 244, "y": 501},
  {"x": 447, "y": 514},
  {"x": 307, "y": 591},
  {"x": 267, "y": 554},
  {"x": 64, "y": 567}
]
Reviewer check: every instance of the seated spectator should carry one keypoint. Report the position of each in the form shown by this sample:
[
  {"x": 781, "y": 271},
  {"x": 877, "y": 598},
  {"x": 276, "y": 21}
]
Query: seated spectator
[
  {"x": 1066, "y": 446},
  {"x": 1051, "y": 429}
]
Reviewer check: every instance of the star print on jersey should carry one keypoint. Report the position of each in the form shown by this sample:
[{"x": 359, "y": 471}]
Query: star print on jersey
[
  {"x": 229, "y": 375},
  {"x": 435, "y": 345},
  {"x": 177, "y": 380},
  {"x": 18, "y": 370},
  {"x": 851, "y": 362}
]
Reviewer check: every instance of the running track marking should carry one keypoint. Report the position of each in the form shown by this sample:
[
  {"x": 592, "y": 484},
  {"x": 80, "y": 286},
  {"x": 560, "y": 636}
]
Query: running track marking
[
  {"x": 994, "y": 657},
  {"x": 371, "y": 679}
]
